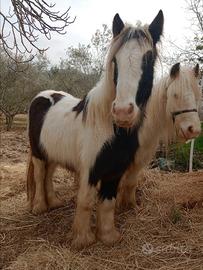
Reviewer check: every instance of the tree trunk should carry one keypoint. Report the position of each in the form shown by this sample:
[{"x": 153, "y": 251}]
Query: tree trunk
[{"x": 9, "y": 122}]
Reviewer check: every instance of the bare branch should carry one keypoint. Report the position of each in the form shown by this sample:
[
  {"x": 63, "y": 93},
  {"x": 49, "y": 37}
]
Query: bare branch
[
  {"x": 192, "y": 50},
  {"x": 28, "y": 19},
  {"x": 196, "y": 9}
]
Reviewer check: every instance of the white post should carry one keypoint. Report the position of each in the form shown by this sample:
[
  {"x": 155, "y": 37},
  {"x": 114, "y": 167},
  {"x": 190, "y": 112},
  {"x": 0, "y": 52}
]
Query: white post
[{"x": 191, "y": 154}]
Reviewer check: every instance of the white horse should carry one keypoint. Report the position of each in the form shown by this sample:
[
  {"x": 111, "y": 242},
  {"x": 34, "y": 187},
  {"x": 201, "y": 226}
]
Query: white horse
[
  {"x": 81, "y": 134},
  {"x": 172, "y": 110}
]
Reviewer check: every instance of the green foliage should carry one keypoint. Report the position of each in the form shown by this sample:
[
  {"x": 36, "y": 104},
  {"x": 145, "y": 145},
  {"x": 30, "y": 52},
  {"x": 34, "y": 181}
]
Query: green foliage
[
  {"x": 71, "y": 80},
  {"x": 175, "y": 215},
  {"x": 180, "y": 153},
  {"x": 99, "y": 46},
  {"x": 199, "y": 143},
  {"x": 80, "y": 58}
]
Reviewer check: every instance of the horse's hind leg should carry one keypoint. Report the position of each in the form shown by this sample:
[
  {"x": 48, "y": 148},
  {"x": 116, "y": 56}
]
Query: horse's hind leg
[
  {"x": 129, "y": 196},
  {"x": 52, "y": 199},
  {"x": 39, "y": 204}
]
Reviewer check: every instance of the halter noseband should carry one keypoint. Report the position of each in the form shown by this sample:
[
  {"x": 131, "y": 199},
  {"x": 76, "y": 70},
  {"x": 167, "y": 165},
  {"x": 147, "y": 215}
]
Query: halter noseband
[{"x": 174, "y": 114}]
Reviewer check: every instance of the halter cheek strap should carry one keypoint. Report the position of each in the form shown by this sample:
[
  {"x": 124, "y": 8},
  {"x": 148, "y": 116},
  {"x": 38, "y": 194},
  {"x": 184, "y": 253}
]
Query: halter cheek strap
[{"x": 174, "y": 114}]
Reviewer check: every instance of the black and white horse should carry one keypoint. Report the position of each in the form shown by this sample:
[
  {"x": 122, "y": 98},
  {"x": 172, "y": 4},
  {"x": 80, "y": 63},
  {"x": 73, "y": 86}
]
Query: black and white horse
[
  {"x": 91, "y": 136},
  {"x": 171, "y": 113}
]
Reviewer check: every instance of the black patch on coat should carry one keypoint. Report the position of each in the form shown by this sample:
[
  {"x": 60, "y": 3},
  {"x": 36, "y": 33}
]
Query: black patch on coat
[
  {"x": 117, "y": 154},
  {"x": 148, "y": 61},
  {"x": 175, "y": 70},
  {"x": 113, "y": 160},
  {"x": 196, "y": 70},
  {"x": 156, "y": 27},
  {"x": 108, "y": 189},
  {"x": 117, "y": 25},
  {"x": 146, "y": 81},
  {"x": 57, "y": 97},
  {"x": 38, "y": 109},
  {"x": 81, "y": 107},
  {"x": 115, "y": 77}
]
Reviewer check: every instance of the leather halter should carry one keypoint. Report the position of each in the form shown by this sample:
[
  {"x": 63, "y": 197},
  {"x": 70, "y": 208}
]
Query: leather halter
[{"x": 174, "y": 114}]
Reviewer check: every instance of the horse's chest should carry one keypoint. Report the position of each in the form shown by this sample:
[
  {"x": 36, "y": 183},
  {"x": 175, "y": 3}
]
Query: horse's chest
[
  {"x": 91, "y": 143},
  {"x": 115, "y": 157}
]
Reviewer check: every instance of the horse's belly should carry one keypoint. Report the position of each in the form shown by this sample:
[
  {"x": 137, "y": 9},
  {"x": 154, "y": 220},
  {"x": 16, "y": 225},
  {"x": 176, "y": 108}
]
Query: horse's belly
[{"x": 61, "y": 152}]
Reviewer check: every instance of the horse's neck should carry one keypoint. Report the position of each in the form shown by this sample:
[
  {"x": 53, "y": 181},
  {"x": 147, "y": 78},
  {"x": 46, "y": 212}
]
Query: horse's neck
[
  {"x": 155, "y": 125},
  {"x": 157, "y": 107},
  {"x": 100, "y": 100}
]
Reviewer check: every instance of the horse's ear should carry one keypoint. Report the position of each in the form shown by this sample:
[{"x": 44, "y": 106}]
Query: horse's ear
[
  {"x": 175, "y": 70},
  {"x": 117, "y": 26},
  {"x": 156, "y": 27},
  {"x": 196, "y": 70}
]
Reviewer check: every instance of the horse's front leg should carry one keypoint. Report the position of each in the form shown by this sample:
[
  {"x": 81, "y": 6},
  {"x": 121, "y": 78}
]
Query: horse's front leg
[
  {"x": 82, "y": 234},
  {"x": 106, "y": 230},
  {"x": 128, "y": 197}
]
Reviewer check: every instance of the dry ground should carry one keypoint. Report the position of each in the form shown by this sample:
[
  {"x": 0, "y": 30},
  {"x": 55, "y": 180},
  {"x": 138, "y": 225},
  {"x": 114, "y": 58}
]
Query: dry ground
[{"x": 165, "y": 232}]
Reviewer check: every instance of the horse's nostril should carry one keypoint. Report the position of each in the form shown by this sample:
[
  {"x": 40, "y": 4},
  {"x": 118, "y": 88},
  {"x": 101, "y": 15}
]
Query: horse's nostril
[
  {"x": 113, "y": 108},
  {"x": 191, "y": 129},
  {"x": 131, "y": 108}
]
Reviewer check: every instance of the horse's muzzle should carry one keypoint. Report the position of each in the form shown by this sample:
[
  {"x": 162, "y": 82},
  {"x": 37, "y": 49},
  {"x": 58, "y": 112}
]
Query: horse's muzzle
[{"x": 124, "y": 116}]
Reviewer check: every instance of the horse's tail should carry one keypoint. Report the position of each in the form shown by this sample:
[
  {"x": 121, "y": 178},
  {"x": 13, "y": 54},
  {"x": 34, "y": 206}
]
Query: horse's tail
[{"x": 30, "y": 180}]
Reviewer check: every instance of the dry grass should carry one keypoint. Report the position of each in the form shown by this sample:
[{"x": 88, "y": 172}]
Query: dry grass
[{"x": 166, "y": 232}]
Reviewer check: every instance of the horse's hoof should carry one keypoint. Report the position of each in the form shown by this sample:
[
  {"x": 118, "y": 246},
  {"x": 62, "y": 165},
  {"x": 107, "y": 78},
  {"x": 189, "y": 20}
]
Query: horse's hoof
[
  {"x": 29, "y": 206},
  {"x": 55, "y": 202},
  {"x": 124, "y": 205},
  {"x": 39, "y": 208},
  {"x": 83, "y": 240},
  {"x": 110, "y": 237}
]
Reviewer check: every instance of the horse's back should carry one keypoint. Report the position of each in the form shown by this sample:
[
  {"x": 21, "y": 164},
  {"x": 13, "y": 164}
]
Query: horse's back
[
  {"x": 51, "y": 113},
  {"x": 47, "y": 99},
  {"x": 55, "y": 96}
]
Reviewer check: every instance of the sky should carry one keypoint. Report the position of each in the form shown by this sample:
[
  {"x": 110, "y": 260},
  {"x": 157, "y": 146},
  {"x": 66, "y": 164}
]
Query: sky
[{"x": 91, "y": 14}]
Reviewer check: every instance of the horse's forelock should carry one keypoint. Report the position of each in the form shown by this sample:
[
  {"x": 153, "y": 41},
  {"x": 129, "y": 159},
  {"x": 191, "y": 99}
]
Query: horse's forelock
[{"x": 141, "y": 34}]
